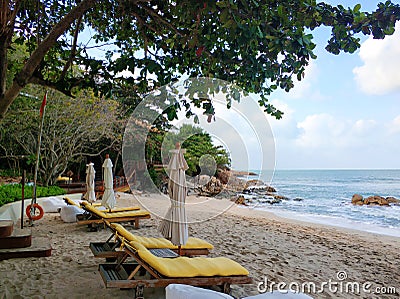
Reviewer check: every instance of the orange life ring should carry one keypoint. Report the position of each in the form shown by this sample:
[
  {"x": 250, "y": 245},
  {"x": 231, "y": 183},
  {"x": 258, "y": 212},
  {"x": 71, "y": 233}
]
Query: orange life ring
[{"x": 34, "y": 217}]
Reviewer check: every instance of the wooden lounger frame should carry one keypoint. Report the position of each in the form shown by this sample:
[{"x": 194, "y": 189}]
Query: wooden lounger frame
[
  {"x": 133, "y": 275},
  {"x": 90, "y": 219},
  {"x": 108, "y": 249}
]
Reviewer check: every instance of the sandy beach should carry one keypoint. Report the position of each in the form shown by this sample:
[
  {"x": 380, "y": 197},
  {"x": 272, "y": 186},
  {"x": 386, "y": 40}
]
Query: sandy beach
[{"x": 275, "y": 250}]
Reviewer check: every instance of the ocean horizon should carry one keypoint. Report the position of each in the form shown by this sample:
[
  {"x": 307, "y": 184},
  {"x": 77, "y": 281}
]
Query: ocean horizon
[{"x": 326, "y": 197}]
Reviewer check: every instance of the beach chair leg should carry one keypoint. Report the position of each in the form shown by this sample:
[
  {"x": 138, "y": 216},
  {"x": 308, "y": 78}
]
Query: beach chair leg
[
  {"x": 226, "y": 288},
  {"x": 139, "y": 292},
  {"x": 136, "y": 223},
  {"x": 92, "y": 227}
]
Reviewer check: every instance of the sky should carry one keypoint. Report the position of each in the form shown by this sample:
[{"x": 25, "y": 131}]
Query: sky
[{"x": 345, "y": 113}]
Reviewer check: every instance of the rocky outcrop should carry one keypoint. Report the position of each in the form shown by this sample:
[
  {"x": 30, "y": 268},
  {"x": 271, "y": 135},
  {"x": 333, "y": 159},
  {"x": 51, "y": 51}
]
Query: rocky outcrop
[
  {"x": 356, "y": 199},
  {"x": 374, "y": 200},
  {"x": 240, "y": 200},
  {"x": 213, "y": 187}
]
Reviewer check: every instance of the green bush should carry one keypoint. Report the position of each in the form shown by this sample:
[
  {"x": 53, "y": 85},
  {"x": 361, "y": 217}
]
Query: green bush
[{"x": 11, "y": 193}]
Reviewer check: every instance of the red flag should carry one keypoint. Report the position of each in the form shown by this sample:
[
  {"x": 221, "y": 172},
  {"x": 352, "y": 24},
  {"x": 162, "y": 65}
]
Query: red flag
[{"x": 43, "y": 104}]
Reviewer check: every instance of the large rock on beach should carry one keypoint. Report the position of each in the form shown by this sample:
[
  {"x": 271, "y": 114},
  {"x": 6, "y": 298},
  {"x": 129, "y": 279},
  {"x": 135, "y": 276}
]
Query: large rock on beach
[
  {"x": 241, "y": 200},
  {"x": 392, "y": 199},
  {"x": 356, "y": 198},
  {"x": 204, "y": 179},
  {"x": 213, "y": 187},
  {"x": 374, "y": 200},
  {"x": 254, "y": 183},
  {"x": 281, "y": 197},
  {"x": 298, "y": 199},
  {"x": 223, "y": 175}
]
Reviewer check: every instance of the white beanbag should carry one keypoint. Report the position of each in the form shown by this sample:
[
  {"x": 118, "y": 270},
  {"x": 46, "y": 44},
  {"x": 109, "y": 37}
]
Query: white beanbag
[
  {"x": 182, "y": 291},
  {"x": 68, "y": 213},
  {"x": 52, "y": 204}
]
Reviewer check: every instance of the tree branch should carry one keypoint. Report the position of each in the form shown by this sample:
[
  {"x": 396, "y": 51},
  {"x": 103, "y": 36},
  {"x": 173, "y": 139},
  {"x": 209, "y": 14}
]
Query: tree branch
[
  {"x": 22, "y": 78},
  {"x": 160, "y": 19},
  {"x": 73, "y": 49},
  {"x": 46, "y": 83}
]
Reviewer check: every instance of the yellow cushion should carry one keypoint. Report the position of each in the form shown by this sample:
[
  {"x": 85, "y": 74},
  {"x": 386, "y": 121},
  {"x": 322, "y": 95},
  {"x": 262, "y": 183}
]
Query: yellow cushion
[
  {"x": 124, "y": 209},
  {"x": 71, "y": 202},
  {"x": 74, "y": 203},
  {"x": 148, "y": 242},
  {"x": 107, "y": 215},
  {"x": 190, "y": 267}
]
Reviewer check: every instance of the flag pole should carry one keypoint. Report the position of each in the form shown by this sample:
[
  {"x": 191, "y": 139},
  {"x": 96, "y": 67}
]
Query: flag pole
[{"x": 42, "y": 111}]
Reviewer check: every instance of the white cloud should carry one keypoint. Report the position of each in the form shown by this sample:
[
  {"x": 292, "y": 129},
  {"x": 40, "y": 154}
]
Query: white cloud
[
  {"x": 363, "y": 127},
  {"x": 380, "y": 72},
  {"x": 394, "y": 126},
  {"x": 285, "y": 127},
  {"x": 320, "y": 130}
]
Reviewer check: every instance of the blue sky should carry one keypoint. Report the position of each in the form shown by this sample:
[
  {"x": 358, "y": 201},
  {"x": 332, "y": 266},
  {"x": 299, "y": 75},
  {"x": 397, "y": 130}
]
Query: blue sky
[{"x": 346, "y": 112}]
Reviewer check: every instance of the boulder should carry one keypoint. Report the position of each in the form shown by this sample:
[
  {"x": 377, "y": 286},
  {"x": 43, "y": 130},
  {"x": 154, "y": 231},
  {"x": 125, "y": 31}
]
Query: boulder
[
  {"x": 375, "y": 199},
  {"x": 204, "y": 179},
  {"x": 213, "y": 187},
  {"x": 223, "y": 176},
  {"x": 392, "y": 199},
  {"x": 251, "y": 183},
  {"x": 356, "y": 198},
  {"x": 383, "y": 202},
  {"x": 298, "y": 199},
  {"x": 240, "y": 200},
  {"x": 281, "y": 197}
]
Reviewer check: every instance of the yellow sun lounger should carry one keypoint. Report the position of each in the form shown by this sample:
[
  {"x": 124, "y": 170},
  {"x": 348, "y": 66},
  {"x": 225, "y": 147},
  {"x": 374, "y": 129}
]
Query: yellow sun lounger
[
  {"x": 153, "y": 271},
  {"x": 69, "y": 201},
  {"x": 96, "y": 216},
  {"x": 109, "y": 249}
]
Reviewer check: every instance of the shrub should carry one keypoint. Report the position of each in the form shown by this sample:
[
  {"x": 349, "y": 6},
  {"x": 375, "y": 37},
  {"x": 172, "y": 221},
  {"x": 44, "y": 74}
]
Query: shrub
[{"x": 13, "y": 192}]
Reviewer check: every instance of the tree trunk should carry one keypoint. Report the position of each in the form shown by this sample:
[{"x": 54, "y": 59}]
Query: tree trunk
[
  {"x": 3, "y": 63},
  {"x": 23, "y": 77}
]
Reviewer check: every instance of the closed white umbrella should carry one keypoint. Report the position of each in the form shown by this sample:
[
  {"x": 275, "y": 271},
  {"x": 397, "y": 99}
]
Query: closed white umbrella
[
  {"x": 174, "y": 226},
  {"x": 108, "y": 199},
  {"x": 90, "y": 196}
]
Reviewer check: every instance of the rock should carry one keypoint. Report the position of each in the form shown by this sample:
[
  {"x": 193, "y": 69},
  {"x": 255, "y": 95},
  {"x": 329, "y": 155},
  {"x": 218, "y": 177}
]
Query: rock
[
  {"x": 298, "y": 199},
  {"x": 254, "y": 183},
  {"x": 240, "y": 200},
  {"x": 223, "y": 176},
  {"x": 281, "y": 197},
  {"x": 274, "y": 201},
  {"x": 392, "y": 199},
  {"x": 204, "y": 179},
  {"x": 356, "y": 198},
  {"x": 213, "y": 187},
  {"x": 383, "y": 202},
  {"x": 374, "y": 200}
]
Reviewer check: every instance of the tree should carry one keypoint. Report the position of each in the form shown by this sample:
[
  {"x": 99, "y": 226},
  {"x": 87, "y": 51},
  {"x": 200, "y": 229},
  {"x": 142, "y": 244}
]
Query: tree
[
  {"x": 200, "y": 150},
  {"x": 72, "y": 129},
  {"x": 259, "y": 45}
]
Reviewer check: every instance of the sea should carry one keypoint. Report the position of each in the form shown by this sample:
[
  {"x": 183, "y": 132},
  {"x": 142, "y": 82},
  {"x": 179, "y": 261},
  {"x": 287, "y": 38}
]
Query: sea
[{"x": 326, "y": 197}]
